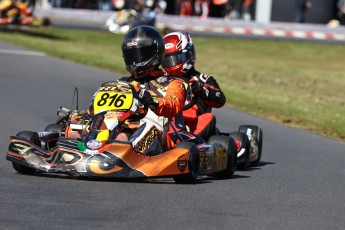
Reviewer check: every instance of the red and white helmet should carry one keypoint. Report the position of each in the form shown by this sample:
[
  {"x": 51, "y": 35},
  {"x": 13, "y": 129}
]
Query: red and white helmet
[{"x": 179, "y": 53}]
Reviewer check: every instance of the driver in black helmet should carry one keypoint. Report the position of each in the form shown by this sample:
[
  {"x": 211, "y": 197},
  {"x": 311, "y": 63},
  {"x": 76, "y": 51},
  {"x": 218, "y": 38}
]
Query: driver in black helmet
[{"x": 143, "y": 52}]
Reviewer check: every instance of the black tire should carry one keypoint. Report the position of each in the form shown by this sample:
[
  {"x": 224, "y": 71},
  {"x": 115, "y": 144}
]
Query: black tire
[
  {"x": 258, "y": 134},
  {"x": 230, "y": 145},
  {"x": 193, "y": 164},
  {"x": 22, "y": 168},
  {"x": 243, "y": 160},
  {"x": 34, "y": 138},
  {"x": 56, "y": 128}
]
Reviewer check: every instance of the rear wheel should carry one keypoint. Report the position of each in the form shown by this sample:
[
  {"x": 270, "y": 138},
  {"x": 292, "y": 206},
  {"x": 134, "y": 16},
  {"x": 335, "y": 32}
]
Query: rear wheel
[
  {"x": 193, "y": 164},
  {"x": 243, "y": 151},
  {"x": 34, "y": 138},
  {"x": 229, "y": 144},
  {"x": 256, "y": 133}
]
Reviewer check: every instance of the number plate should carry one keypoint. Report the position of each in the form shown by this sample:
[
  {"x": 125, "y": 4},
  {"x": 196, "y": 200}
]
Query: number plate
[{"x": 112, "y": 101}]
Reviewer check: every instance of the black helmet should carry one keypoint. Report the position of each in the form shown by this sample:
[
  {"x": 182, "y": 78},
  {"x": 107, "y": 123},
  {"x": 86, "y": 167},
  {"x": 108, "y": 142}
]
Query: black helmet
[{"x": 143, "y": 50}]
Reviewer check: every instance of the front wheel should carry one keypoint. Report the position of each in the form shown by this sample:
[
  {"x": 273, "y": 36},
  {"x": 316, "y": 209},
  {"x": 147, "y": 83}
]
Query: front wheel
[
  {"x": 22, "y": 168},
  {"x": 33, "y": 137},
  {"x": 230, "y": 145},
  {"x": 193, "y": 164}
]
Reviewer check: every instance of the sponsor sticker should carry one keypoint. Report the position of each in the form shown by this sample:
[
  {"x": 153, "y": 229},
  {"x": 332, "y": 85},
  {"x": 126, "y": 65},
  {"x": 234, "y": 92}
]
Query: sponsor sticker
[
  {"x": 91, "y": 152},
  {"x": 169, "y": 45},
  {"x": 132, "y": 43},
  {"x": 161, "y": 79},
  {"x": 93, "y": 144}
]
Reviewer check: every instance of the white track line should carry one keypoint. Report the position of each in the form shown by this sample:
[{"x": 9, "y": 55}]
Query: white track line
[{"x": 22, "y": 52}]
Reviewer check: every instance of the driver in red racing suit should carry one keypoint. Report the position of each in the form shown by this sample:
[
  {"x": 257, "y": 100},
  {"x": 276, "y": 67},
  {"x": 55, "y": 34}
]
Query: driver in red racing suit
[{"x": 179, "y": 61}]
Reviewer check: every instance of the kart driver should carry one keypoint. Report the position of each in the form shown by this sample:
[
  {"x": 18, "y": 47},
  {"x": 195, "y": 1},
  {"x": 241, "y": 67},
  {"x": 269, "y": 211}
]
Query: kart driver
[
  {"x": 179, "y": 61},
  {"x": 143, "y": 53}
]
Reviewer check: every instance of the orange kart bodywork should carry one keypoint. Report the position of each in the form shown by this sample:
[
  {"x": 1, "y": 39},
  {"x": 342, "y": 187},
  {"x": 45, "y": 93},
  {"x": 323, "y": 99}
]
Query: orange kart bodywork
[{"x": 114, "y": 160}]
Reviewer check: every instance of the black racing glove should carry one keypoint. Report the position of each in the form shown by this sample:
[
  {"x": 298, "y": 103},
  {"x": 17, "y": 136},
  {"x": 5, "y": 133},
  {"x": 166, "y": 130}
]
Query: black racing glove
[
  {"x": 196, "y": 87},
  {"x": 147, "y": 99}
]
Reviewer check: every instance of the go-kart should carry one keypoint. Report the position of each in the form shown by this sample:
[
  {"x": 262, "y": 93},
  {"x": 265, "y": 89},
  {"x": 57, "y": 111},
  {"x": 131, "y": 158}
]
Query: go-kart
[
  {"x": 19, "y": 14},
  {"x": 103, "y": 143},
  {"x": 122, "y": 21}
]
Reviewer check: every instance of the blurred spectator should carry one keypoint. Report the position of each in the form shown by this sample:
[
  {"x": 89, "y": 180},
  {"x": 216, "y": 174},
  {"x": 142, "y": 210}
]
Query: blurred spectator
[
  {"x": 57, "y": 3},
  {"x": 241, "y": 9},
  {"x": 301, "y": 8},
  {"x": 139, "y": 5},
  {"x": 235, "y": 7},
  {"x": 218, "y": 8},
  {"x": 341, "y": 11},
  {"x": 104, "y": 4},
  {"x": 201, "y": 8},
  {"x": 186, "y": 7},
  {"x": 183, "y": 7},
  {"x": 247, "y": 13},
  {"x": 119, "y": 4}
]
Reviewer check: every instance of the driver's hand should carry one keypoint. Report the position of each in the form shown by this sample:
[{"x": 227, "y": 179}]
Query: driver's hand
[
  {"x": 147, "y": 99},
  {"x": 196, "y": 87}
]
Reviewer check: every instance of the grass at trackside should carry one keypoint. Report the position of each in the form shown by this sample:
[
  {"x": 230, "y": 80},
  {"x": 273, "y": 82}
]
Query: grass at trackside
[{"x": 300, "y": 84}]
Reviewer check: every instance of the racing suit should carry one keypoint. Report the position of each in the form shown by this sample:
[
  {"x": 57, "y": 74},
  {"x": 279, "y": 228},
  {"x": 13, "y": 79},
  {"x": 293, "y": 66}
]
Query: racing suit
[
  {"x": 170, "y": 96},
  {"x": 170, "y": 92},
  {"x": 207, "y": 95}
]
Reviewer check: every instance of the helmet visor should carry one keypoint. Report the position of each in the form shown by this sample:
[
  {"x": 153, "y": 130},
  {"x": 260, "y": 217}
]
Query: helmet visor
[
  {"x": 174, "y": 59},
  {"x": 139, "y": 55}
]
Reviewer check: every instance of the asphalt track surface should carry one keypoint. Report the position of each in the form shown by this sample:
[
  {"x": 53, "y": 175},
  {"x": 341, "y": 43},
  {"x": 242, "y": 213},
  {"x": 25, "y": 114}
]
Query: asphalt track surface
[{"x": 299, "y": 183}]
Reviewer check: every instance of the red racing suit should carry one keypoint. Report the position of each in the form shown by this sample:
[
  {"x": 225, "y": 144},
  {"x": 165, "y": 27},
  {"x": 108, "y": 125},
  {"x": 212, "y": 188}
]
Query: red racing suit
[{"x": 208, "y": 95}]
